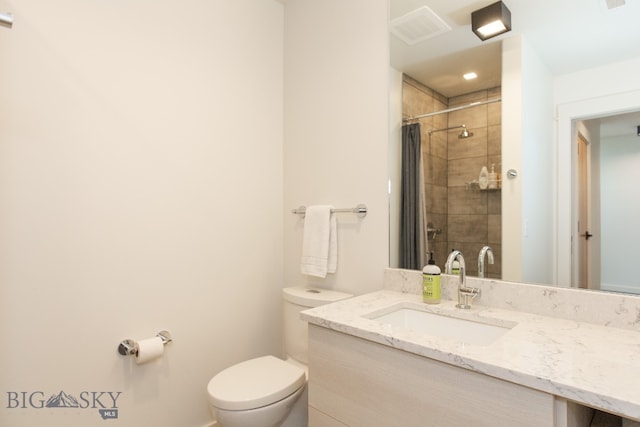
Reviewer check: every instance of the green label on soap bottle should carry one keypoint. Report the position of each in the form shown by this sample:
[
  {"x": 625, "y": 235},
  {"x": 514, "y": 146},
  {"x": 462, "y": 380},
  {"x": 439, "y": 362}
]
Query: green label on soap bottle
[{"x": 431, "y": 290}]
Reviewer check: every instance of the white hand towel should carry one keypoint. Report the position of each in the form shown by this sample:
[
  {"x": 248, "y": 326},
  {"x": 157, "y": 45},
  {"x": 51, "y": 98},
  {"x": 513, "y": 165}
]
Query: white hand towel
[
  {"x": 332, "y": 263},
  {"x": 320, "y": 242}
]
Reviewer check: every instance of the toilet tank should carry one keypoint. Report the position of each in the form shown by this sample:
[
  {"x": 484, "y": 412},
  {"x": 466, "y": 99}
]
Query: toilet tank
[{"x": 297, "y": 299}]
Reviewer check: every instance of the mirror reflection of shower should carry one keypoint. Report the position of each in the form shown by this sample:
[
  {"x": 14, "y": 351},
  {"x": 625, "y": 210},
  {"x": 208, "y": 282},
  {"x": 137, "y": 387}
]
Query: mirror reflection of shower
[{"x": 460, "y": 135}]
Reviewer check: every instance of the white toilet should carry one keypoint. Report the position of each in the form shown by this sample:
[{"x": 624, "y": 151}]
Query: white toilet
[{"x": 268, "y": 391}]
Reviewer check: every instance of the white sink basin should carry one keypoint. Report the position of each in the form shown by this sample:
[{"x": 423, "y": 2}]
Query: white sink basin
[{"x": 443, "y": 326}]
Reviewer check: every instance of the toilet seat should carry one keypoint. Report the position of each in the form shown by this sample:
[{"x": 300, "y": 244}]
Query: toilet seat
[{"x": 254, "y": 383}]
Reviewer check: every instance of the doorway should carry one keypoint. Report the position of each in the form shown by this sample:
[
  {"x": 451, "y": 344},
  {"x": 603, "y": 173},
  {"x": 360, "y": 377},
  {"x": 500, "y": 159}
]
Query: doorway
[
  {"x": 606, "y": 160},
  {"x": 574, "y": 117},
  {"x": 619, "y": 158}
]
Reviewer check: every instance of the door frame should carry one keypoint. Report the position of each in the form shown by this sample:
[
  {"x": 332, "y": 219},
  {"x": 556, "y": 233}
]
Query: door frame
[
  {"x": 583, "y": 208},
  {"x": 566, "y": 199}
]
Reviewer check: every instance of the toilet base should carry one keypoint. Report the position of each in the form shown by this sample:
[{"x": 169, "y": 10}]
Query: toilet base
[
  {"x": 299, "y": 415},
  {"x": 293, "y": 412}
]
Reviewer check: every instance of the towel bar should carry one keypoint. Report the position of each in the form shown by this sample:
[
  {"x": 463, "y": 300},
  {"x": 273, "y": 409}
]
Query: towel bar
[{"x": 360, "y": 210}]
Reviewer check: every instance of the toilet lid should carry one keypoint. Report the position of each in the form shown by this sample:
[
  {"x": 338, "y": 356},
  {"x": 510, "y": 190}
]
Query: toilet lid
[{"x": 254, "y": 383}]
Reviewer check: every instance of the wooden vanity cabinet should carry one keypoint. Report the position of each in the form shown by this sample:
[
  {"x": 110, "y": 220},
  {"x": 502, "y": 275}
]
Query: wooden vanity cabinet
[{"x": 355, "y": 382}]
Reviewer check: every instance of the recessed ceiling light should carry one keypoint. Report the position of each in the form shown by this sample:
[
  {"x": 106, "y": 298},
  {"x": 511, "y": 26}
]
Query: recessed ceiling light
[{"x": 470, "y": 76}]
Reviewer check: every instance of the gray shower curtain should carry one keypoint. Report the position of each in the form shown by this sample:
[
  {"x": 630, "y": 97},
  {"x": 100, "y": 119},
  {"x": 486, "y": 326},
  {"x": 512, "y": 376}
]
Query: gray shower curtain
[{"x": 413, "y": 236}]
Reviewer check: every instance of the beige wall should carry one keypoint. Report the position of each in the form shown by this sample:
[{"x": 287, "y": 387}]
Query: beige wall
[
  {"x": 336, "y": 133},
  {"x": 528, "y": 200},
  {"x": 141, "y": 189},
  {"x": 145, "y": 185}
]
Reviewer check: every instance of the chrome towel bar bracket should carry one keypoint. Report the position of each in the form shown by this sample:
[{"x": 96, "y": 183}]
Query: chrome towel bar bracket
[{"x": 360, "y": 210}]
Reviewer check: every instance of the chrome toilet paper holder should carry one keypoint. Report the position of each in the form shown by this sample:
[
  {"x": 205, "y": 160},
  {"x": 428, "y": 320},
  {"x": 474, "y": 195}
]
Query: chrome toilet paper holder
[{"x": 129, "y": 347}]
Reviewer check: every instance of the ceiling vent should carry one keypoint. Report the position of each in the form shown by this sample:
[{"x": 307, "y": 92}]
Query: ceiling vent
[{"x": 419, "y": 25}]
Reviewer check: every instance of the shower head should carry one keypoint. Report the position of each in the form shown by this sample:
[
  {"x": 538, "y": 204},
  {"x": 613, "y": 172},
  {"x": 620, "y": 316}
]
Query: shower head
[{"x": 465, "y": 133}]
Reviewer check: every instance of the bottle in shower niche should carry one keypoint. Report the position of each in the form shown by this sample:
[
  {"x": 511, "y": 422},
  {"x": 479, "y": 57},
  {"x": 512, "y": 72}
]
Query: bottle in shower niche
[
  {"x": 431, "y": 286},
  {"x": 493, "y": 177},
  {"x": 483, "y": 180}
]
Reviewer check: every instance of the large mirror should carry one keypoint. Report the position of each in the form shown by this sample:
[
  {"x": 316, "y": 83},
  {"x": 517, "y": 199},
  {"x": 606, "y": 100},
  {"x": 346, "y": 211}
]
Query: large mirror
[{"x": 458, "y": 210}]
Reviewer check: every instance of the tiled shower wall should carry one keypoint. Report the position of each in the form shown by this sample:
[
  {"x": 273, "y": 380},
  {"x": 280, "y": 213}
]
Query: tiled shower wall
[{"x": 468, "y": 218}]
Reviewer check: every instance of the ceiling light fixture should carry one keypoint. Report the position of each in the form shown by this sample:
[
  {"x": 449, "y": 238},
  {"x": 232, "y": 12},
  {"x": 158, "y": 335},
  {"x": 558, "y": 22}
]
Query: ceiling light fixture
[
  {"x": 491, "y": 21},
  {"x": 470, "y": 76}
]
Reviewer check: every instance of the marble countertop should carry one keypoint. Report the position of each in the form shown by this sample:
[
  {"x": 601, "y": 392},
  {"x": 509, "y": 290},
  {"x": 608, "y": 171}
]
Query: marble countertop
[{"x": 598, "y": 366}]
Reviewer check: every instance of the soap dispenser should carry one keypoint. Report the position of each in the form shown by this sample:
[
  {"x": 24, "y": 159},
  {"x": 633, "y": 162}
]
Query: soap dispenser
[
  {"x": 431, "y": 286},
  {"x": 493, "y": 177},
  {"x": 483, "y": 180}
]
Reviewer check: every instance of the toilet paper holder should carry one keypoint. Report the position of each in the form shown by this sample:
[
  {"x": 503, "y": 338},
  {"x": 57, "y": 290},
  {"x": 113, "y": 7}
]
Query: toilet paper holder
[{"x": 129, "y": 347}]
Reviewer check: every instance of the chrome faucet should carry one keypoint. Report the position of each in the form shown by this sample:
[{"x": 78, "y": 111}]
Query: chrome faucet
[
  {"x": 489, "y": 253},
  {"x": 464, "y": 292}
]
